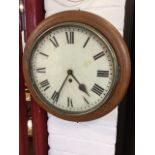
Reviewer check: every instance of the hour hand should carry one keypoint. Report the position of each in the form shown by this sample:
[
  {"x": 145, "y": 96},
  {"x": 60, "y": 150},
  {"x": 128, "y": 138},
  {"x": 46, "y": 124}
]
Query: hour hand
[
  {"x": 55, "y": 95},
  {"x": 83, "y": 88}
]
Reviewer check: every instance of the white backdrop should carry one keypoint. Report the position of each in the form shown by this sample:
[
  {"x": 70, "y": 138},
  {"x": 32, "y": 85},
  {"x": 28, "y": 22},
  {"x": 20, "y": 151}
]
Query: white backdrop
[{"x": 97, "y": 137}]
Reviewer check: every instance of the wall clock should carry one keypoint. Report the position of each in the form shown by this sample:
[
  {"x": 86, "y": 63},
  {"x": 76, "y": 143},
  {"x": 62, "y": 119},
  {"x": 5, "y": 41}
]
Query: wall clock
[{"x": 76, "y": 66}]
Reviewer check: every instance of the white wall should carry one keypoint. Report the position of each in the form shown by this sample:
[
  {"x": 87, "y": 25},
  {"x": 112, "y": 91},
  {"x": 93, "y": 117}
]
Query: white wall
[{"x": 95, "y": 137}]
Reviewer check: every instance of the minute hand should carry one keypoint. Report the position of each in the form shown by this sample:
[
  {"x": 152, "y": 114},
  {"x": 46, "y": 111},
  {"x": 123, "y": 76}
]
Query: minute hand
[
  {"x": 63, "y": 84},
  {"x": 58, "y": 93}
]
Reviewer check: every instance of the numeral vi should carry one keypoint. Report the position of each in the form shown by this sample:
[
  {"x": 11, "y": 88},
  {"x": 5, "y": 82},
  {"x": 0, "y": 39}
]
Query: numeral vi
[{"x": 69, "y": 102}]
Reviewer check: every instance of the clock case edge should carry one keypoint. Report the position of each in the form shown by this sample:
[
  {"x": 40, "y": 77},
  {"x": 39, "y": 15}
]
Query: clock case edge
[{"x": 114, "y": 38}]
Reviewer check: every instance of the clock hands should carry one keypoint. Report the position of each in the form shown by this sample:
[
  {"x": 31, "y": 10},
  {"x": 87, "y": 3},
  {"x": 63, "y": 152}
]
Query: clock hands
[
  {"x": 82, "y": 86},
  {"x": 63, "y": 83},
  {"x": 56, "y": 95}
]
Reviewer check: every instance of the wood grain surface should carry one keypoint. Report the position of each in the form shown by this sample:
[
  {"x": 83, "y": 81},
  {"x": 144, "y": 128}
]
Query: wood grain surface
[{"x": 116, "y": 41}]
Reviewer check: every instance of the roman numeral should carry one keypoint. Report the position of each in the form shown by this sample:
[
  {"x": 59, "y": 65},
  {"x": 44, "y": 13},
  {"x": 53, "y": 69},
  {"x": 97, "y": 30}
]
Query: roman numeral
[
  {"x": 102, "y": 73},
  {"x": 86, "y": 42},
  {"x": 97, "y": 89},
  {"x": 55, "y": 97},
  {"x": 54, "y": 42},
  {"x": 70, "y": 37},
  {"x": 85, "y": 100},
  {"x": 41, "y": 70},
  {"x": 43, "y": 54},
  {"x": 69, "y": 102},
  {"x": 99, "y": 55},
  {"x": 45, "y": 84}
]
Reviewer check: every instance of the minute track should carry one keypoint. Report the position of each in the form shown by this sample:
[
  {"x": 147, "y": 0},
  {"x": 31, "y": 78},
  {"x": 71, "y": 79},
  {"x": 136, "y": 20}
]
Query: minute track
[
  {"x": 82, "y": 83},
  {"x": 84, "y": 61}
]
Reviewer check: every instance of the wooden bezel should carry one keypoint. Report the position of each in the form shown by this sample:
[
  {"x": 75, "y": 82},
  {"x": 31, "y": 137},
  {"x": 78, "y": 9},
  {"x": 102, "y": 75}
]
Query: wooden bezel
[{"x": 114, "y": 38}]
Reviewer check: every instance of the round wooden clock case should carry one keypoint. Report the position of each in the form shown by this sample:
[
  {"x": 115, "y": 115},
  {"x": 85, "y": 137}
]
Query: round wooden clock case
[{"x": 64, "y": 89}]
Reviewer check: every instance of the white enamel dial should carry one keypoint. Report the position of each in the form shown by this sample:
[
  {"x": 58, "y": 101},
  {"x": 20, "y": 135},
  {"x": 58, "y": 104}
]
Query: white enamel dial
[{"x": 73, "y": 68}]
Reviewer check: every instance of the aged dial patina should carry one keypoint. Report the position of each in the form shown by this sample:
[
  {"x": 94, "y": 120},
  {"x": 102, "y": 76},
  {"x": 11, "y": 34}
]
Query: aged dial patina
[
  {"x": 73, "y": 68},
  {"x": 76, "y": 65}
]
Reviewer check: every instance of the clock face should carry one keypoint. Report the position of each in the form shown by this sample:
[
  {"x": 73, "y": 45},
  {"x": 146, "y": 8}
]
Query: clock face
[{"x": 73, "y": 68}]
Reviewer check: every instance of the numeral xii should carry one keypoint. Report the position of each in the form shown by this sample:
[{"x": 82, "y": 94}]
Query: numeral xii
[{"x": 70, "y": 37}]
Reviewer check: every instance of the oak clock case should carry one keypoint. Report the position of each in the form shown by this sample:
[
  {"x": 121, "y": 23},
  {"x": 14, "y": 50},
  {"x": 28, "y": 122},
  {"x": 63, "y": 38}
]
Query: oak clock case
[{"x": 76, "y": 66}]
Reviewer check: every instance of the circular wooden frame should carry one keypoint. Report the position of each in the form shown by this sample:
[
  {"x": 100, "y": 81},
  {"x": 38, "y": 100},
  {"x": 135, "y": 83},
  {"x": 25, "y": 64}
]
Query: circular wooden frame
[{"x": 114, "y": 38}]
